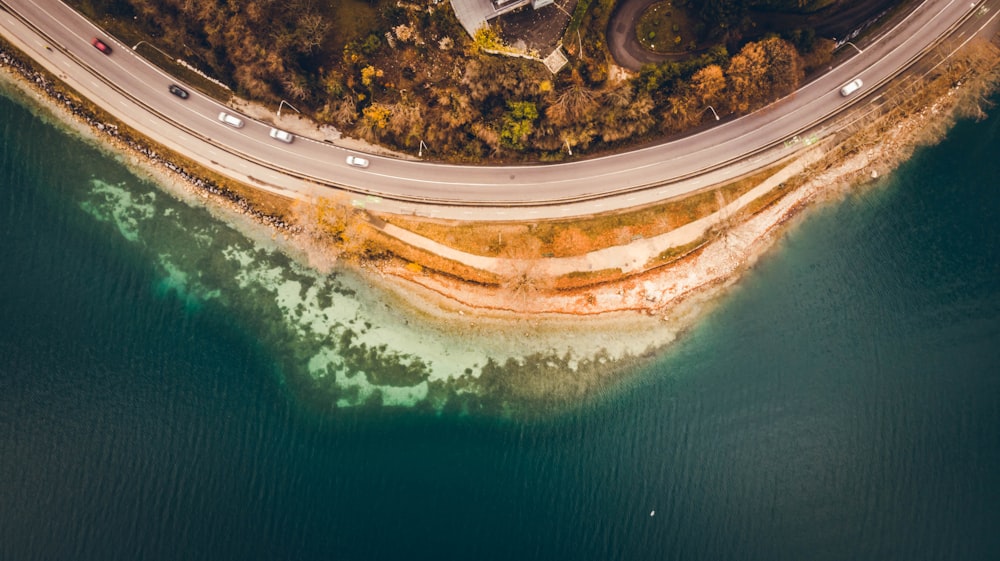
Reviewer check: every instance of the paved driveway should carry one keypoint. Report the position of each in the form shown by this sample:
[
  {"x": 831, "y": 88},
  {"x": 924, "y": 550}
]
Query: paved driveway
[
  {"x": 623, "y": 43},
  {"x": 835, "y": 21}
]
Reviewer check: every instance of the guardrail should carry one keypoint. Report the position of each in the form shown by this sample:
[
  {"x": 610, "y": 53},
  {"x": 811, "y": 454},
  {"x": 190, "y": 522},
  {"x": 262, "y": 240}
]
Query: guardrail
[{"x": 656, "y": 184}]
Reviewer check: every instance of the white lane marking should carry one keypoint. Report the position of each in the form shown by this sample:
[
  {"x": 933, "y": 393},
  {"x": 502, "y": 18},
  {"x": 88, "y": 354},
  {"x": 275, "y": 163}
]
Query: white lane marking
[{"x": 877, "y": 41}]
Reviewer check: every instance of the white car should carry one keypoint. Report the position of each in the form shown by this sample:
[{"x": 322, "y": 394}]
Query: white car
[
  {"x": 357, "y": 161},
  {"x": 231, "y": 120},
  {"x": 851, "y": 87},
  {"x": 281, "y": 135}
]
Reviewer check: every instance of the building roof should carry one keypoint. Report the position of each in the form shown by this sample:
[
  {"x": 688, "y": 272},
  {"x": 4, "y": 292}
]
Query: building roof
[{"x": 473, "y": 14}]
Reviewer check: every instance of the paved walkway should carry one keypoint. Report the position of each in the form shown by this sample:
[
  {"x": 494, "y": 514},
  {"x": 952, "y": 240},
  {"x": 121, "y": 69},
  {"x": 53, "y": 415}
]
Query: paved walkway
[{"x": 629, "y": 258}]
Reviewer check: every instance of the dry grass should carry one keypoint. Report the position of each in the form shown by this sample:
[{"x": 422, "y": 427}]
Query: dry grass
[
  {"x": 769, "y": 198},
  {"x": 674, "y": 253},
  {"x": 585, "y": 279},
  {"x": 521, "y": 241},
  {"x": 431, "y": 263},
  {"x": 566, "y": 238},
  {"x": 975, "y": 68}
]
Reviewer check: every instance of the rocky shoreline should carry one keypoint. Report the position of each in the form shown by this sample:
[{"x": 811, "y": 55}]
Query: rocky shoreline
[
  {"x": 681, "y": 288},
  {"x": 661, "y": 292},
  {"x": 82, "y": 114},
  {"x": 477, "y": 347}
]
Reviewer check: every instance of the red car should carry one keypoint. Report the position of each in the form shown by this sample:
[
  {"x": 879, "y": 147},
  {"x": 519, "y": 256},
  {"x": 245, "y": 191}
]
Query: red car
[{"x": 101, "y": 45}]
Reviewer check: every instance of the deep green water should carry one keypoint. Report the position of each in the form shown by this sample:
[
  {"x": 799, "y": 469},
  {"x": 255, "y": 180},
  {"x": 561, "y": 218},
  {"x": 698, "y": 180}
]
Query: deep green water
[{"x": 842, "y": 403}]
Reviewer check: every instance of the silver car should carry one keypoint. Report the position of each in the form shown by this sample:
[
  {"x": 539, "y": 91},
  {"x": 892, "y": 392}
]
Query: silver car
[
  {"x": 357, "y": 161},
  {"x": 281, "y": 135},
  {"x": 231, "y": 120},
  {"x": 851, "y": 87}
]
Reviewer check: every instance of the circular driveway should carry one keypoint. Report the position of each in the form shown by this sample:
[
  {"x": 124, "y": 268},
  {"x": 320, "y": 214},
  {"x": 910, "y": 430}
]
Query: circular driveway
[
  {"x": 622, "y": 41},
  {"x": 136, "y": 93},
  {"x": 833, "y": 21}
]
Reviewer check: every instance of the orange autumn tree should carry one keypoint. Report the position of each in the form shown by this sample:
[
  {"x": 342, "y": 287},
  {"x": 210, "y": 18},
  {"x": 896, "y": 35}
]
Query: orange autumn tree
[{"x": 763, "y": 71}]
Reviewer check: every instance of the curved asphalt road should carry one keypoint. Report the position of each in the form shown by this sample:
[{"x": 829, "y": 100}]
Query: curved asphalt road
[
  {"x": 136, "y": 92},
  {"x": 622, "y": 42},
  {"x": 628, "y": 52}
]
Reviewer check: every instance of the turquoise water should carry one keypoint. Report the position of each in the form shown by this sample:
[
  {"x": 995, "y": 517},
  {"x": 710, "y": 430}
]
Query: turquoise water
[
  {"x": 842, "y": 403},
  {"x": 337, "y": 339}
]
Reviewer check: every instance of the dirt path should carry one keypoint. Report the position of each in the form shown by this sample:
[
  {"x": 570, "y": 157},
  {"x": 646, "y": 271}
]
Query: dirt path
[{"x": 630, "y": 258}]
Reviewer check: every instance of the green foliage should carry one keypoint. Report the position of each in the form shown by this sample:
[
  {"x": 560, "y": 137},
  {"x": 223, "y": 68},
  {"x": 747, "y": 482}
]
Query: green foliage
[
  {"x": 334, "y": 84},
  {"x": 334, "y": 57},
  {"x": 715, "y": 55},
  {"x": 394, "y": 15},
  {"x": 578, "y": 16},
  {"x": 664, "y": 77},
  {"x": 803, "y": 39},
  {"x": 661, "y": 23},
  {"x": 518, "y": 123},
  {"x": 589, "y": 37},
  {"x": 793, "y": 6},
  {"x": 522, "y": 110},
  {"x": 371, "y": 45},
  {"x": 487, "y": 38},
  {"x": 653, "y": 77},
  {"x": 115, "y": 8},
  {"x": 722, "y": 14}
]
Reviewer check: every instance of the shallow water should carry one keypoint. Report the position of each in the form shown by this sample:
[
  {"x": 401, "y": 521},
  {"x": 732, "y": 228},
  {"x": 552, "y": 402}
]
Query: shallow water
[
  {"x": 336, "y": 338},
  {"x": 842, "y": 402}
]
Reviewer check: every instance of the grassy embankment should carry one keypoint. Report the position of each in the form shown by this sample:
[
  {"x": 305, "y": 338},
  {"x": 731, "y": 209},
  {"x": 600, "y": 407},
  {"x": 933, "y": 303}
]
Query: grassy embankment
[
  {"x": 547, "y": 239},
  {"x": 905, "y": 116}
]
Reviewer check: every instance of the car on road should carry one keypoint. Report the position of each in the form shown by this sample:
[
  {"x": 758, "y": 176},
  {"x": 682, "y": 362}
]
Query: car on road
[
  {"x": 101, "y": 45},
  {"x": 178, "y": 91},
  {"x": 281, "y": 135},
  {"x": 231, "y": 120},
  {"x": 357, "y": 161},
  {"x": 851, "y": 87}
]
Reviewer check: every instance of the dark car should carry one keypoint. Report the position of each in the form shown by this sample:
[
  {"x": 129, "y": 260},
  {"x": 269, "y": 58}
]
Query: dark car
[
  {"x": 178, "y": 91},
  {"x": 101, "y": 45}
]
